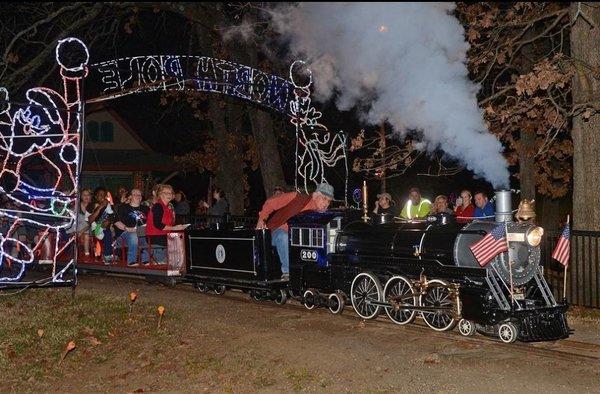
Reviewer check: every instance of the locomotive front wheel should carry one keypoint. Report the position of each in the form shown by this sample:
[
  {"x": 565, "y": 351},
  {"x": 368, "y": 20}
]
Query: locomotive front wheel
[
  {"x": 508, "y": 332},
  {"x": 201, "y": 287},
  {"x": 365, "y": 289},
  {"x": 309, "y": 299},
  {"x": 220, "y": 289},
  {"x": 466, "y": 327},
  {"x": 438, "y": 296},
  {"x": 336, "y": 303},
  {"x": 400, "y": 289},
  {"x": 281, "y": 297}
]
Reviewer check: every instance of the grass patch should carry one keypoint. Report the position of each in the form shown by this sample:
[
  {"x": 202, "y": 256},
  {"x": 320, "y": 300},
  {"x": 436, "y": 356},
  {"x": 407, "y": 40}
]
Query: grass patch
[
  {"x": 299, "y": 378},
  {"x": 38, "y": 324},
  {"x": 584, "y": 315}
]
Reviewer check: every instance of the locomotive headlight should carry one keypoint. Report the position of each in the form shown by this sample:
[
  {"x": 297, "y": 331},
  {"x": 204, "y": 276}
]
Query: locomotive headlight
[{"x": 534, "y": 236}]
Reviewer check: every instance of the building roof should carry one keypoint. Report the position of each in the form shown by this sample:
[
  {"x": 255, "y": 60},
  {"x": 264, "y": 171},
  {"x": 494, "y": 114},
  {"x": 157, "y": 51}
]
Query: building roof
[{"x": 135, "y": 156}]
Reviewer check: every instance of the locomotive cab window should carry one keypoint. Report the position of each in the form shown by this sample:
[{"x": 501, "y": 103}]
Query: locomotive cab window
[{"x": 308, "y": 237}]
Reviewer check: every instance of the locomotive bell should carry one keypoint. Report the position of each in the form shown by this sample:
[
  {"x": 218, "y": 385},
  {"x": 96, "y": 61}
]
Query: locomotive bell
[{"x": 526, "y": 210}]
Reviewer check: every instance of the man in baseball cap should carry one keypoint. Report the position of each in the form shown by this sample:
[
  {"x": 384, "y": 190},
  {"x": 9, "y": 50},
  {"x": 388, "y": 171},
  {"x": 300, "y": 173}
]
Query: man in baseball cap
[
  {"x": 278, "y": 209},
  {"x": 385, "y": 204}
]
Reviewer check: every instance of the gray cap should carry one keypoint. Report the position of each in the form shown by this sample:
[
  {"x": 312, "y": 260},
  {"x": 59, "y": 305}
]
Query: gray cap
[
  {"x": 386, "y": 195},
  {"x": 325, "y": 189}
]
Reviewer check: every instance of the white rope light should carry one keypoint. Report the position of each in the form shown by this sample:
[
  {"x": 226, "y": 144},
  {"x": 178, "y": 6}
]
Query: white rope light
[{"x": 47, "y": 129}]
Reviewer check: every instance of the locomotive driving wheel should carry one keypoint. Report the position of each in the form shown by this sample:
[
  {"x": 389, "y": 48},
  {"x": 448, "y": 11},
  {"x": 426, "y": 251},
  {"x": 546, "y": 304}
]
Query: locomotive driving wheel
[
  {"x": 399, "y": 291},
  {"x": 438, "y": 295},
  {"x": 365, "y": 289}
]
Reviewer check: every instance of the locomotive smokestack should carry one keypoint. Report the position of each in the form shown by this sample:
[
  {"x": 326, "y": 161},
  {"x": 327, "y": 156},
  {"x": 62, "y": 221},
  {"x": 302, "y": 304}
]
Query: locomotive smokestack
[{"x": 503, "y": 206}]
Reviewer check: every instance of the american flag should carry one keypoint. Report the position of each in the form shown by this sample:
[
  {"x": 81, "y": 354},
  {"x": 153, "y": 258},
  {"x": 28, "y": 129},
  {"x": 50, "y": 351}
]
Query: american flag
[
  {"x": 563, "y": 250},
  {"x": 490, "y": 246}
]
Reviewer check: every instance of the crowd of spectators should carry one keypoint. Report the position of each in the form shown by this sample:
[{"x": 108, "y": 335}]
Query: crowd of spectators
[
  {"x": 130, "y": 220},
  {"x": 105, "y": 224}
]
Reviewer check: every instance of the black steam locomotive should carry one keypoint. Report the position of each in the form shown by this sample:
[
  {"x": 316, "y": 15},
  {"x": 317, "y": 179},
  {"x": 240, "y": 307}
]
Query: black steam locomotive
[{"x": 406, "y": 269}]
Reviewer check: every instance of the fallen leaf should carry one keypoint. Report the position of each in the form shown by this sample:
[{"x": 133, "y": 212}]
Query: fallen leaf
[
  {"x": 94, "y": 341},
  {"x": 40, "y": 333},
  {"x": 70, "y": 347}
]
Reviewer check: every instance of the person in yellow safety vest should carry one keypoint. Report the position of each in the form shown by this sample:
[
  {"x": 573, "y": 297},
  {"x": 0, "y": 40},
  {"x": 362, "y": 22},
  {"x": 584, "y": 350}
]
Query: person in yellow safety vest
[{"x": 416, "y": 207}]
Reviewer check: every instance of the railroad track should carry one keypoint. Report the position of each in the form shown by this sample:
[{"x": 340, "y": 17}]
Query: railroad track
[{"x": 564, "y": 349}]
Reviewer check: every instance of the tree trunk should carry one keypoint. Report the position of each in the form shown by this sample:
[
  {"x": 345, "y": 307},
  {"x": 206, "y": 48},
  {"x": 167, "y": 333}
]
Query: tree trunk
[
  {"x": 225, "y": 130},
  {"x": 266, "y": 143},
  {"x": 527, "y": 163},
  {"x": 230, "y": 169},
  {"x": 549, "y": 217},
  {"x": 262, "y": 126},
  {"x": 585, "y": 50}
]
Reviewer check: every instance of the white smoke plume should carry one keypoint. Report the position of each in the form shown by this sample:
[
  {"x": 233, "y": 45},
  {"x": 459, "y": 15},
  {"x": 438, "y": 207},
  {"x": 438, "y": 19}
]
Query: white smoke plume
[{"x": 408, "y": 61}]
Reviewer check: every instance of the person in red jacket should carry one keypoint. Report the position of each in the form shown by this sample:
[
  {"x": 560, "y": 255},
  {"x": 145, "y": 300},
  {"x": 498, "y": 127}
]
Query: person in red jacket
[
  {"x": 161, "y": 221},
  {"x": 464, "y": 207},
  {"x": 278, "y": 209}
]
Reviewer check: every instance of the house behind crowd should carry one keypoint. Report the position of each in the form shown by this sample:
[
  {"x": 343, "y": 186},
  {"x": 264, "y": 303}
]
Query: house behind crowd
[{"x": 116, "y": 155}]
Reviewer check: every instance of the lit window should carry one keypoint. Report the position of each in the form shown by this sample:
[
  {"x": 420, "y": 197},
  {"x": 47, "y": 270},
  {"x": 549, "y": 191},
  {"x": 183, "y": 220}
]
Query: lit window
[{"x": 308, "y": 237}]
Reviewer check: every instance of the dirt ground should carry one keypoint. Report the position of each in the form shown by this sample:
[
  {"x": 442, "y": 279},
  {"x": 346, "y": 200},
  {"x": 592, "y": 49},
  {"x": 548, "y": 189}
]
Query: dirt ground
[{"x": 228, "y": 343}]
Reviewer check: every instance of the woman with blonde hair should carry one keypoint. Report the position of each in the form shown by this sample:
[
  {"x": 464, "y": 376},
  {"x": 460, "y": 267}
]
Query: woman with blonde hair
[
  {"x": 464, "y": 208},
  {"x": 440, "y": 205},
  {"x": 161, "y": 221}
]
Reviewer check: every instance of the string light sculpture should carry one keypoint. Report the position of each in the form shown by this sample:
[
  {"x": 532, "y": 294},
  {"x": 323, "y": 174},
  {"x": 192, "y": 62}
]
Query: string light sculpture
[
  {"x": 46, "y": 130},
  {"x": 317, "y": 149},
  {"x": 131, "y": 75}
]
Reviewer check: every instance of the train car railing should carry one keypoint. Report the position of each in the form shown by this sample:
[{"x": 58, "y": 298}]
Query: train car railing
[
  {"x": 199, "y": 222},
  {"x": 583, "y": 272}
]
